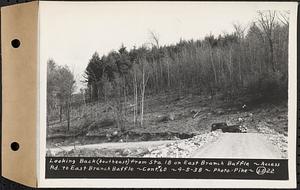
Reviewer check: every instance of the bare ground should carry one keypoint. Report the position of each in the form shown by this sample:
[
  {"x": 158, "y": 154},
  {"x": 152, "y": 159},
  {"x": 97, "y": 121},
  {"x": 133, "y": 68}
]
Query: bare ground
[{"x": 193, "y": 116}]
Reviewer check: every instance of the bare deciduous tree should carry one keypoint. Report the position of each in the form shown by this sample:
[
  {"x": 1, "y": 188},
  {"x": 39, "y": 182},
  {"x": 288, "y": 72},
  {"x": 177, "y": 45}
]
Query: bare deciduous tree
[
  {"x": 267, "y": 22},
  {"x": 283, "y": 17},
  {"x": 154, "y": 37}
]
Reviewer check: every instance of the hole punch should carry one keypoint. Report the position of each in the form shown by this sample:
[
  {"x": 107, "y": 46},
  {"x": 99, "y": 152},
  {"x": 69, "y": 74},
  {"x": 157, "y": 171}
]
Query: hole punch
[
  {"x": 15, "y": 43},
  {"x": 14, "y": 146}
]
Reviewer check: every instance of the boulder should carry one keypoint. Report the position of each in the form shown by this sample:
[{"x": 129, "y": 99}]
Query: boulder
[
  {"x": 104, "y": 123},
  {"x": 165, "y": 118},
  {"x": 216, "y": 126},
  {"x": 172, "y": 116},
  {"x": 162, "y": 118},
  {"x": 115, "y": 133},
  {"x": 126, "y": 152}
]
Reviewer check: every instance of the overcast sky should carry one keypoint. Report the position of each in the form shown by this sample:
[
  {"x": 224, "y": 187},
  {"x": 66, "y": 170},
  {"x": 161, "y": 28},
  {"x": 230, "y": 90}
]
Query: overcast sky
[{"x": 70, "y": 32}]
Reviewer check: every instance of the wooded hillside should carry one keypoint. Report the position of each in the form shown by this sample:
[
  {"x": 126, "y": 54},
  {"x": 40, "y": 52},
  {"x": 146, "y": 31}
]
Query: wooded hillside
[{"x": 252, "y": 61}]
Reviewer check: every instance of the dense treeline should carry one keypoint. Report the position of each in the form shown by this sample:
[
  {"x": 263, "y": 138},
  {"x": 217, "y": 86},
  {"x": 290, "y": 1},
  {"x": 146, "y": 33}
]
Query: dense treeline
[
  {"x": 60, "y": 87},
  {"x": 255, "y": 62}
]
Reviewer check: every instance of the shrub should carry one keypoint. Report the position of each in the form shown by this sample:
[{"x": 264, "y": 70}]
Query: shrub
[{"x": 268, "y": 87}]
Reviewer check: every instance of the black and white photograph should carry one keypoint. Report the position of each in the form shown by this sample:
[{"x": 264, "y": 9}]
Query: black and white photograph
[
  {"x": 193, "y": 94},
  {"x": 167, "y": 81},
  {"x": 145, "y": 94}
]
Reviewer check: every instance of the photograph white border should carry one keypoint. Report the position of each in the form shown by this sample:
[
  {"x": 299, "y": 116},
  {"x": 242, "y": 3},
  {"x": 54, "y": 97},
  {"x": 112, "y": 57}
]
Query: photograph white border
[{"x": 179, "y": 183}]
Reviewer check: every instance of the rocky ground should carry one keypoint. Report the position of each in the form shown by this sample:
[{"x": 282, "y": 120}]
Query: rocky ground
[
  {"x": 183, "y": 148},
  {"x": 277, "y": 139}
]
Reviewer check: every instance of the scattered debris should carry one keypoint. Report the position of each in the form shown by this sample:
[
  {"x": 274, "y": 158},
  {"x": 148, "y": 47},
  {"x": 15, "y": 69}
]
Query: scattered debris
[
  {"x": 195, "y": 115},
  {"x": 229, "y": 128},
  {"x": 165, "y": 118},
  {"x": 216, "y": 126},
  {"x": 234, "y": 129}
]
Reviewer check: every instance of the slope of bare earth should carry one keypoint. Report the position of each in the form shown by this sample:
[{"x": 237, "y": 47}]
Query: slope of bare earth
[
  {"x": 191, "y": 115},
  {"x": 174, "y": 126}
]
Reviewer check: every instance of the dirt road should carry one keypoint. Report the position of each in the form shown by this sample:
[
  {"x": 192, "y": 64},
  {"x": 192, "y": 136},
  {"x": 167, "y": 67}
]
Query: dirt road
[
  {"x": 226, "y": 145},
  {"x": 239, "y": 145}
]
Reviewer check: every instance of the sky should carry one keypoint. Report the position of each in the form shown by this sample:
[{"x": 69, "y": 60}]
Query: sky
[{"x": 70, "y": 32}]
